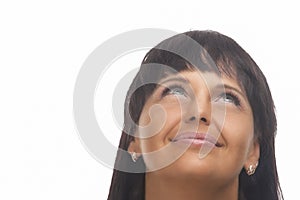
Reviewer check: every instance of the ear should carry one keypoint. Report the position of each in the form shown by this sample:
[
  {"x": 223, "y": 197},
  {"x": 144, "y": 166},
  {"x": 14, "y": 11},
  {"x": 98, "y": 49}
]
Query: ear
[
  {"x": 134, "y": 146},
  {"x": 253, "y": 155}
]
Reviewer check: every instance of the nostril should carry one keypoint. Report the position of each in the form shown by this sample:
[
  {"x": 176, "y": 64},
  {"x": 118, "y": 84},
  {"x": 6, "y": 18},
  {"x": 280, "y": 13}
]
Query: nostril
[
  {"x": 203, "y": 119},
  {"x": 192, "y": 118}
]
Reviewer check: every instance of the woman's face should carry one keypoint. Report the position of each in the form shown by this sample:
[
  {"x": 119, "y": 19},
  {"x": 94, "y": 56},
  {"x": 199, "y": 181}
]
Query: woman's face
[{"x": 190, "y": 113}]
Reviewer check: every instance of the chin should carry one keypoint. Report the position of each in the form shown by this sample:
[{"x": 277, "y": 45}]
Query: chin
[{"x": 189, "y": 166}]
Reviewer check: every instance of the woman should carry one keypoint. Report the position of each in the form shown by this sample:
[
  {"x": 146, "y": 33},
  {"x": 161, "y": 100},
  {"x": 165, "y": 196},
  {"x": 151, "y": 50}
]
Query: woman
[{"x": 199, "y": 124}]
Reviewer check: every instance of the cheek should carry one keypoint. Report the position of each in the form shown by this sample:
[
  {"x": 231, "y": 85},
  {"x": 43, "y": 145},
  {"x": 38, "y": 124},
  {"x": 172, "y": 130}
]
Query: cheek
[
  {"x": 158, "y": 123},
  {"x": 238, "y": 133},
  {"x": 161, "y": 123},
  {"x": 152, "y": 121}
]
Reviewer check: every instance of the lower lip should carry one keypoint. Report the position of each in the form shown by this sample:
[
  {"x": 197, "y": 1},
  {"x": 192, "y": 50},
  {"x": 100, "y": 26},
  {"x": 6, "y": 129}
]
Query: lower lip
[{"x": 194, "y": 142}]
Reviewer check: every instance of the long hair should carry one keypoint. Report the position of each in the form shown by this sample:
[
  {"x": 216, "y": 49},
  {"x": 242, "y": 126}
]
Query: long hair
[{"x": 232, "y": 61}]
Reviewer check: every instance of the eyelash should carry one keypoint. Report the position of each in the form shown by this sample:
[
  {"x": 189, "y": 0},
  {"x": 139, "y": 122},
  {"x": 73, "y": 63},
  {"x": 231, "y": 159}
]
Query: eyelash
[
  {"x": 235, "y": 99},
  {"x": 169, "y": 89}
]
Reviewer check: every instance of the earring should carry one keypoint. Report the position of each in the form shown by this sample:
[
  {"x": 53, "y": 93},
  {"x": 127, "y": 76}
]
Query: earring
[
  {"x": 134, "y": 156},
  {"x": 251, "y": 169}
]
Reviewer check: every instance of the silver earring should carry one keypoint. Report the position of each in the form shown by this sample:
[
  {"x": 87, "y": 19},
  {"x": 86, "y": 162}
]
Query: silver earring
[
  {"x": 251, "y": 169},
  {"x": 134, "y": 156}
]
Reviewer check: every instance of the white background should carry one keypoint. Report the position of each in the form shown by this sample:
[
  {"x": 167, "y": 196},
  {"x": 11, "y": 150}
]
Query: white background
[{"x": 44, "y": 44}]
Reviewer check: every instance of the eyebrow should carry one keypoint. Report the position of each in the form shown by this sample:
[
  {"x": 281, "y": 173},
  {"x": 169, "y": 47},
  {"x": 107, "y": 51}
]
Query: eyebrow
[{"x": 174, "y": 78}]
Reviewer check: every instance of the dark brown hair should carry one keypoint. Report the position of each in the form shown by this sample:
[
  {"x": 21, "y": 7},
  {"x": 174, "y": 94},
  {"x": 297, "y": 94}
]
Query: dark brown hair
[{"x": 231, "y": 60}]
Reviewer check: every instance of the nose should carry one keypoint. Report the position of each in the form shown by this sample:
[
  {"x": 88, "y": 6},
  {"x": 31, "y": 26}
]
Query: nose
[{"x": 199, "y": 111}]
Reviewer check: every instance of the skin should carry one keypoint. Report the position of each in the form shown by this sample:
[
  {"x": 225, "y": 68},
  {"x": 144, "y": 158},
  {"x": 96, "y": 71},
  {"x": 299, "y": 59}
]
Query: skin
[{"x": 174, "y": 170}]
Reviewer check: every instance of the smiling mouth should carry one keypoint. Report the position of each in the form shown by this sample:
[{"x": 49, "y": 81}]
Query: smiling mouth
[{"x": 196, "y": 139}]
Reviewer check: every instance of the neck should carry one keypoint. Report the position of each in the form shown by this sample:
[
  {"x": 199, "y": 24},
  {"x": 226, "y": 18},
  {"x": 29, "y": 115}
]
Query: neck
[{"x": 161, "y": 188}]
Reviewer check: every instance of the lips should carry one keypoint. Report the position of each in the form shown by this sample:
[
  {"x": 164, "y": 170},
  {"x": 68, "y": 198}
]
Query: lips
[{"x": 196, "y": 138}]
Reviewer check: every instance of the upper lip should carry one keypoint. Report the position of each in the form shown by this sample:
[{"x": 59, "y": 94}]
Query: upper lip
[{"x": 197, "y": 136}]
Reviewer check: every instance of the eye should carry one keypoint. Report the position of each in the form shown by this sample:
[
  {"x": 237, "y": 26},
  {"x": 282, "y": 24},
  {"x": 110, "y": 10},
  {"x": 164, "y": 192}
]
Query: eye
[
  {"x": 176, "y": 90},
  {"x": 229, "y": 97}
]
